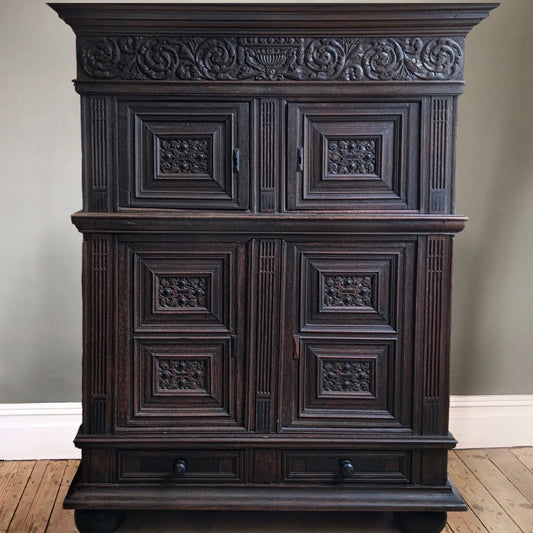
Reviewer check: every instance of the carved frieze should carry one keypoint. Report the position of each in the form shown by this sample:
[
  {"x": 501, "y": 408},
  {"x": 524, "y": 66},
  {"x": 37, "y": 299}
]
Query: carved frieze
[
  {"x": 271, "y": 58},
  {"x": 352, "y": 156},
  {"x": 347, "y": 291}
]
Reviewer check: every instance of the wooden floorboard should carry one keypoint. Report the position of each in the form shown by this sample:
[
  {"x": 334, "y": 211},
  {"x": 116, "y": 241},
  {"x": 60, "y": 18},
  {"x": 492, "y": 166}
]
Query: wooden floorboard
[{"x": 497, "y": 485}]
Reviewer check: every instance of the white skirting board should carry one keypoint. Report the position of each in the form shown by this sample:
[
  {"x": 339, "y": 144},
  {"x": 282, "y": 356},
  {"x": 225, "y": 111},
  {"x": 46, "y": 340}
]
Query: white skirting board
[{"x": 46, "y": 430}]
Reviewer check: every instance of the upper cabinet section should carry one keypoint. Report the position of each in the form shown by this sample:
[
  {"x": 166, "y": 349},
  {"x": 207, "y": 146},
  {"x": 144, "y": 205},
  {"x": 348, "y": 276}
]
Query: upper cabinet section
[
  {"x": 262, "y": 42},
  {"x": 270, "y": 108}
]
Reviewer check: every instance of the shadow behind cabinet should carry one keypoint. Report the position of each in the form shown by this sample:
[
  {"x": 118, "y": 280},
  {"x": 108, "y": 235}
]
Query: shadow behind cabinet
[{"x": 268, "y": 221}]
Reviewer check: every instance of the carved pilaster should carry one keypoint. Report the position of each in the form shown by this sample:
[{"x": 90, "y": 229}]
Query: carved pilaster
[
  {"x": 435, "y": 330},
  {"x": 441, "y": 155},
  {"x": 98, "y": 316},
  {"x": 269, "y": 155},
  {"x": 265, "y": 333},
  {"x": 96, "y": 153}
]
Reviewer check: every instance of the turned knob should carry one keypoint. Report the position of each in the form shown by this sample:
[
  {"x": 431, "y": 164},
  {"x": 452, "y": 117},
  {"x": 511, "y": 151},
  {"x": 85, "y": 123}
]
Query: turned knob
[
  {"x": 180, "y": 468},
  {"x": 347, "y": 468}
]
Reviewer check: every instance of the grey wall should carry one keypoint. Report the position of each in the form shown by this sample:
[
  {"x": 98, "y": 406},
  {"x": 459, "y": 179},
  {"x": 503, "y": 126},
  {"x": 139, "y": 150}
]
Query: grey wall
[{"x": 40, "y": 315}]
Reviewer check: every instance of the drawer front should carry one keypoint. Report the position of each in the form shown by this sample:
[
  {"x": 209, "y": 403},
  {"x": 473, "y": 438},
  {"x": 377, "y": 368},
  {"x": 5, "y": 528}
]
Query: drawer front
[
  {"x": 184, "y": 155},
  {"x": 181, "y": 466},
  {"x": 353, "y": 156},
  {"x": 347, "y": 467}
]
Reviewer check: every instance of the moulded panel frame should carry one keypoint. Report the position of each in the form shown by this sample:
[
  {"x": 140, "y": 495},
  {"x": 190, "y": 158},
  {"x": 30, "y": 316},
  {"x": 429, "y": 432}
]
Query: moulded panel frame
[
  {"x": 394, "y": 125},
  {"x": 223, "y": 124}
]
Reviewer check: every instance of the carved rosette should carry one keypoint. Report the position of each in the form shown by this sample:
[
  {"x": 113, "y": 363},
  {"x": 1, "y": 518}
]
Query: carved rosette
[
  {"x": 182, "y": 374},
  {"x": 345, "y": 376},
  {"x": 347, "y": 291},
  {"x": 183, "y": 156},
  {"x": 352, "y": 156},
  {"x": 182, "y": 292},
  {"x": 271, "y": 58}
]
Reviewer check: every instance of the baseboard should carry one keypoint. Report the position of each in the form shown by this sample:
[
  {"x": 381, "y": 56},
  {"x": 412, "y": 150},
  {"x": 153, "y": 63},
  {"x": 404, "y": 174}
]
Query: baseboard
[
  {"x": 39, "y": 430},
  {"x": 46, "y": 430},
  {"x": 492, "y": 421}
]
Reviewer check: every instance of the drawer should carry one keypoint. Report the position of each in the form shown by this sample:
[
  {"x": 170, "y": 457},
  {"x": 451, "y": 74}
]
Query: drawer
[
  {"x": 184, "y": 155},
  {"x": 180, "y": 466},
  {"x": 353, "y": 156},
  {"x": 347, "y": 467}
]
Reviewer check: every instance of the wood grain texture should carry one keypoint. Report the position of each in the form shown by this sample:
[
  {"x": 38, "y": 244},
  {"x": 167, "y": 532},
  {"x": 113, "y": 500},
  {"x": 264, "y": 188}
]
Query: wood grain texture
[
  {"x": 62, "y": 520},
  {"x": 513, "y": 469},
  {"x": 509, "y": 497},
  {"x": 490, "y": 512}
]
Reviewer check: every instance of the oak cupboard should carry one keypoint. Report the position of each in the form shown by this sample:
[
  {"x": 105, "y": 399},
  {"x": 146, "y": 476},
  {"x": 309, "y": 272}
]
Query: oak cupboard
[{"x": 268, "y": 216}]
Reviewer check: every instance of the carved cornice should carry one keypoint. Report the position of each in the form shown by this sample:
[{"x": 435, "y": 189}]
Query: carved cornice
[{"x": 271, "y": 58}]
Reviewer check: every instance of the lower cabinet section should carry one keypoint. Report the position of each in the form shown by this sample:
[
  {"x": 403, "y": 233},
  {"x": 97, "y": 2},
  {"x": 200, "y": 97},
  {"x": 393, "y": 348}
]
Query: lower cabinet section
[{"x": 262, "y": 466}]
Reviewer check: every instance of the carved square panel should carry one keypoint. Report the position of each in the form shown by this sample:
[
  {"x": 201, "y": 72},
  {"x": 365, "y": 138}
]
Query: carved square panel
[
  {"x": 346, "y": 382},
  {"x": 180, "y": 155},
  {"x": 350, "y": 287},
  {"x": 184, "y": 287},
  {"x": 354, "y": 156},
  {"x": 188, "y": 382}
]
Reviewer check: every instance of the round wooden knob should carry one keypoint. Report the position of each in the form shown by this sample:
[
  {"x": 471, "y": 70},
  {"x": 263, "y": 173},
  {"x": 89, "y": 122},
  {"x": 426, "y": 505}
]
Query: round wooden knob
[
  {"x": 180, "y": 467},
  {"x": 347, "y": 468}
]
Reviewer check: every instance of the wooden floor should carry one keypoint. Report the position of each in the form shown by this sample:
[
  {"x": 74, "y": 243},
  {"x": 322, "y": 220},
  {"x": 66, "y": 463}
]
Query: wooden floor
[{"x": 497, "y": 485}]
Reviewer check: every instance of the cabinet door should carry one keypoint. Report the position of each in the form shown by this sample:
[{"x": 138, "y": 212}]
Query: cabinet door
[
  {"x": 352, "y": 156},
  {"x": 352, "y": 361},
  {"x": 178, "y": 353},
  {"x": 183, "y": 155}
]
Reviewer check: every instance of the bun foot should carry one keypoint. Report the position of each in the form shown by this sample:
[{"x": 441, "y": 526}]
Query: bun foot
[
  {"x": 420, "y": 522},
  {"x": 98, "y": 521}
]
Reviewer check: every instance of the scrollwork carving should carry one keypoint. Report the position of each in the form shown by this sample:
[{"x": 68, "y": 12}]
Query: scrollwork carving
[{"x": 271, "y": 58}]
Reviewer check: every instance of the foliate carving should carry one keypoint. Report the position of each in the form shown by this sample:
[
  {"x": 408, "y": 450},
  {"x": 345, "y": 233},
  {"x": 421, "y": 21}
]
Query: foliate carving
[
  {"x": 183, "y": 291},
  {"x": 182, "y": 374},
  {"x": 271, "y": 58},
  {"x": 183, "y": 156},
  {"x": 346, "y": 375},
  {"x": 347, "y": 291},
  {"x": 352, "y": 156}
]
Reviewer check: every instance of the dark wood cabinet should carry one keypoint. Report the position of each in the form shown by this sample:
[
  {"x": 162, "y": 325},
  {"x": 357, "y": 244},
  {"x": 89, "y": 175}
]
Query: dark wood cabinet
[{"x": 268, "y": 222}]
